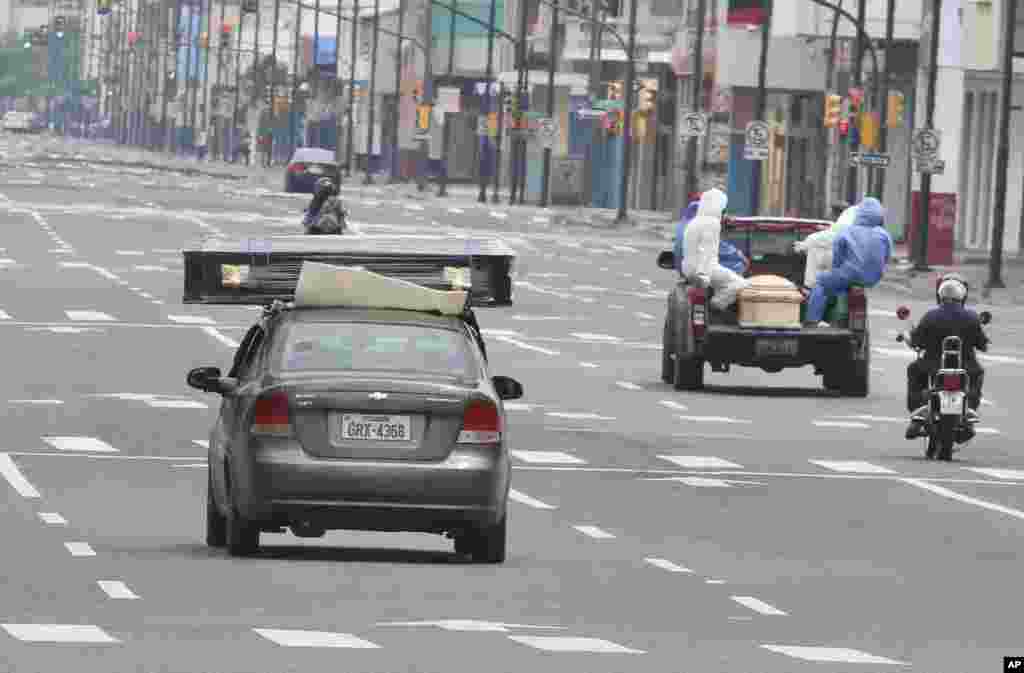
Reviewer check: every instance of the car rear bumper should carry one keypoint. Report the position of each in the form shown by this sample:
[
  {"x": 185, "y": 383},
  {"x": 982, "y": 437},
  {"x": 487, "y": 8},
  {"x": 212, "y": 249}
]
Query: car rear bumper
[
  {"x": 745, "y": 346},
  {"x": 286, "y": 484}
]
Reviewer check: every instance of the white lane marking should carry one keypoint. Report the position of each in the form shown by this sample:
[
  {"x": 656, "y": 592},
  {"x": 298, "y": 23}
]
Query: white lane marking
[
  {"x": 176, "y": 404},
  {"x": 526, "y": 346},
  {"x": 191, "y": 465},
  {"x": 79, "y": 549},
  {"x": 644, "y": 316},
  {"x": 499, "y": 215},
  {"x": 205, "y": 443},
  {"x": 701, "y": 482},
  {"x": 624, "y": 248},
  {"x": 91, "y": 444},
  {"x": 158, "y": 302},
  {"x": 64, "y": 329},
  {"x": 675, "y": 406},
  {"x": 89, "y": 316},
  {"x": 874, "y": 419},
  {"x": 594, "y": 532},
  {"x": 413, "y": 206},
  {"x": 117, "y": 590},
  {"x": 488, "y": 332},
  {"x": 626, "y": 385},
  {"x": 135, "y": 289},
  {"x": 15, "y": 478},
  {"x": 587, "y": 336},
  {"x": 145, "y": 295},
  {"x": 589, "y": 288},
  {"x": 103, "y": 272},
  {"x": 53, "y": 518},
  {"x": 537, "y": 219},
  {"x": 617, "y": 307},
  {"x": 701, "y": 462},
  {"x": 469, "y": 625},
  {"x": 987, "y": 431},
  {"x": 854, "y": 466},
  {"x": 757, "y": 605},
  {"x": 134, "y": 253},
  {"x": 59, "y": 633},
  {"x": 456, "y": 211},
  {"x": 843, "y": 655},
  {"x": 4, "y": 315},
  {"x": 589, "y": 365},
  {"x": 518, "y": 406},
  {"x": 524, "y": 499},
  {"x": 988, "y": 403},
  {"x": 999, "y": 473},
  {"x": 714, "y": 419},
  {"x": 221, "y": 337},
  {"x": 574, "y": 644},
  {"x": 665, "y": 564},
  {"x": 580, "y": 416},
  {"x": 714, "y": 581},
  {"x": 167, "y": 251},
  {"x": 299, "y": 638},
  {"x": 46, "y": 402},
  {"x": 149, "y": 267},
  {"x": 548, "y": 457},
  {"x": 839, "y": 424},
  {"x": 966, "y": 499}
]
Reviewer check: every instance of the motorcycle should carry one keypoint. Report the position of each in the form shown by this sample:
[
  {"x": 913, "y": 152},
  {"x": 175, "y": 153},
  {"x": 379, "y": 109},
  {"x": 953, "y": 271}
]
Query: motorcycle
[
  {"x": 331, "y": 220},
  {"x": 947, "y": 422}
]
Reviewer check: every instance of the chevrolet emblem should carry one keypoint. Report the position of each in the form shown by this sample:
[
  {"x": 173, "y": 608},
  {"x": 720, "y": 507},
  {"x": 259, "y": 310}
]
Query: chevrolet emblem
[{"x": 378, "y": 396}]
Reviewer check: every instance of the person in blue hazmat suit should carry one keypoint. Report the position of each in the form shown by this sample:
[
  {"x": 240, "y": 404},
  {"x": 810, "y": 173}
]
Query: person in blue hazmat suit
[
  {"x": 860, "y": 254},
  {"x": 702, "y": 240},
  {"x": 729, "y": 255}
]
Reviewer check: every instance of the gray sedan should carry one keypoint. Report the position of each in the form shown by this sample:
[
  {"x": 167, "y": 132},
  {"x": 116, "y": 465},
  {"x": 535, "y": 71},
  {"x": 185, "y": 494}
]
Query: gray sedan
[{"x": 359, "y": 419}]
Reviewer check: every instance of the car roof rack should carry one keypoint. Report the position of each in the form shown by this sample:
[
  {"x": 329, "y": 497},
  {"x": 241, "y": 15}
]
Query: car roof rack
[{"x": 260, "y": 271}]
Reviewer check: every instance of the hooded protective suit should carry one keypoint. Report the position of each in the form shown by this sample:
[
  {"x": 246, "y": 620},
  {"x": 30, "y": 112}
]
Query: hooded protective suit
[
  {"x": 702, "y": 241},
  {"x": 860, "y": 254},
  {"x": 729, "y": 255},
  {"x": 818, "y": 246}
]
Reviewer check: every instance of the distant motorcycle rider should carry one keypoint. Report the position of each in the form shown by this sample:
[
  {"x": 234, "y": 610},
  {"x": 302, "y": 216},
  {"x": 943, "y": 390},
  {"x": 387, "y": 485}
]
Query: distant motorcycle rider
[
  {"x": 950, "y": 318},
  {"x": 325, "y": 189}
]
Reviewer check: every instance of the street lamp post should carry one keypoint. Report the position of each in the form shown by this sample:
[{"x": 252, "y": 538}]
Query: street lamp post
[
  {"x": 627, "y": 126},
  {"x": 995, "y": 262},
  {"x": 762, "y": 101},
  {"x": 351, "y": 87},
  {"x": 373, "y": 92},
  {"x": 921, "y": 263},
  {"x": 545, "y": 189},
  {"x": 395, "y": 152},
  {"x": 485, "y": 103}
]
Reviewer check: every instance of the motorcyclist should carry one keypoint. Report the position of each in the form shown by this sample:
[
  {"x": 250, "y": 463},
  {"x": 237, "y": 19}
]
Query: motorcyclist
[
  {"x": 729, "y": 255},
  {"x": 325, "y": 188},
  {"x": 950, "y": 318}
]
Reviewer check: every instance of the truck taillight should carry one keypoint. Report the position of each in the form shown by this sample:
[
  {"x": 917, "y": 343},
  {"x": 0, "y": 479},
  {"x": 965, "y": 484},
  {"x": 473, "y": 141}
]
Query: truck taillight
[
  {"x": 481, "y": 424},
  {"x": 952, "y": 383},
  {"x": 857, "y": 303},
  {"x": 698, "y": 310},
  {"x": 296, "y": 168},
  {"x": 271, "y": 416}
]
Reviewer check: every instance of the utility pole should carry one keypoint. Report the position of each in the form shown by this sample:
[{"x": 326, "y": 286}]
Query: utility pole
[
  {"x": 396, "y": 152},
  {"x": 273, "y": 67},
  {"x": 545, "y": 191},
  {"x": 485, "y": 104},
  {"x": 316, "y": 50},
  {"x": 594, "y": 85},
  {"x": 698, "y": 99},
  {"x": 337, "y": 75},
  {"x": 221, "y": 55},
  {"x": 921, "y": 263},
  {"x": 352, "y": 87},
  {"x": 762, "y": 100},
  {"x": 883, "y": 117},
  {"x": 428, "y": 89},
  {"x": 206, "y": 73},
  {"x": 189, "y": 41},
  {"x": 858, "y": 81},
  {"x": 373, "y": 91},
  {"x": 198, "y": 64},
  {"x": 519, "y": 151},
  {"x": 293, "y": 108},
  {"x": 627, "y": 122},
  {"x": 995, "y": 262},
  {"x": 238, "y": 79}
]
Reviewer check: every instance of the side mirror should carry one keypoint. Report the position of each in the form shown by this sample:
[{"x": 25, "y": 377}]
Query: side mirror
[
  {"x": 903, "y": 313},
  {"x": 209, "y": 380},
  {"x": 985, "y": 317},
  {"x": 507, "y": 388},
  {"x": 667, "y": 260}
]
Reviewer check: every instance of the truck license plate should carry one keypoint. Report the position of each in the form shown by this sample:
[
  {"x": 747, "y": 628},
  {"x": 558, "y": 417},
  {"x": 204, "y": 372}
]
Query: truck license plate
[
  {"x": 776, "y": 347},
  {"x": 375, "y": 428},
  {"x": 951, "y": 402}
]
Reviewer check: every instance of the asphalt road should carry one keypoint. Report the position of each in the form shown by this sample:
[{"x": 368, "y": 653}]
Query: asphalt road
[{"x": 761, "y": 525}]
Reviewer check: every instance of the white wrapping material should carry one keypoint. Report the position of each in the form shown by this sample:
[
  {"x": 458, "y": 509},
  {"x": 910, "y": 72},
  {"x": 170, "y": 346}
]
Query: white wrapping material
[
  {"x": 818, "y": 247},
  {"x": 703, "y": 240},
  {"x": 324, "y": 285}
]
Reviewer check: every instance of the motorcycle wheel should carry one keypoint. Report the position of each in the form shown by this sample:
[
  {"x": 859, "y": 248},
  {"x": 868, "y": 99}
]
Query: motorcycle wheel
[{"x": 945, "y": 432}]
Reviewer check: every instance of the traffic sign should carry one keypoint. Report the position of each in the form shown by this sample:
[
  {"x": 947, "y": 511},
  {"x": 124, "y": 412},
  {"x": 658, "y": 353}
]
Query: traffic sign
[
  {"x": 927, "y": 143},
  {"x": 755, "y": 147},
  {"x": 870, "y": 159},
  {"x": 693, "y": 124},
  {"x": 547, "y": 132},
  {"x": 935, "y": 167}
]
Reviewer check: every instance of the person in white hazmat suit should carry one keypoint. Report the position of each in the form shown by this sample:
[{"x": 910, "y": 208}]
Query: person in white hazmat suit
[
  {"x": 818, "y": 247},
  {"x": 703, "y": 238}
]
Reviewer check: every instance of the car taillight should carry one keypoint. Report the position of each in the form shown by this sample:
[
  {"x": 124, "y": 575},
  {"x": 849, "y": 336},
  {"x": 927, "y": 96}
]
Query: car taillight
[
  {"x": 952, "y": 383},
  {"x": 481, "y": 424},
  {"x": 857, "y": 302},
  {"x": 296, "y": 168},
  {"x": 272, "y": 416},
  {"x": 698, "y": 310}
]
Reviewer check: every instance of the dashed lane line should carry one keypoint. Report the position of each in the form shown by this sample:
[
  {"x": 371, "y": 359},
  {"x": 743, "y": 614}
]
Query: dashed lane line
[
  {"x": 588, "y": 416},
  {"x": 79, "y": 549},
  {"x": 852, "y": 466},
  {"x": 522, "y": 498},
  {"x": 836, "y": 655},
  {"x": 595, "y": 532},
  {"x": 574, "y": 644},
  {"x": 672, "y": 404},
  {"x": 53, "y": 519},
  {"x": 117, "y": 590},
  {"x": 999, "y": 473},
  {"x": 665, "y": 564},
  {"x": 89, "y": 316},
  {"x": 59, "y": 633},
  {"x": 701, "y": 462},
  {"x": 840, "y": 424},
  {"x": 525, "y": 346},
  {"x": 547, "y": 457},
  {"x": 626, "y": 385},
  {"x": 715, "y": 419},
  {"x": 220, "y": 336},
  {"x": 15, "y": 478},
  {"x": 302, "y": 638},
  {"x": 966, "y": 499},
  {"x": 758, "y": 606},
  {"x": 86, "y": 444}
]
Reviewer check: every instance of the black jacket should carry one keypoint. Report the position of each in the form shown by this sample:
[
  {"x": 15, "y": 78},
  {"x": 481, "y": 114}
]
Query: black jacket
[{"x": 950, "y": 320}]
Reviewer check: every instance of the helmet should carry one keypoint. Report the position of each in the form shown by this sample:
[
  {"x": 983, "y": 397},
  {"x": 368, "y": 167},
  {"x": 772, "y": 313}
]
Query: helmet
[
  {"x": 325, "y": 184},
  {"x": 951, "y": 288}
]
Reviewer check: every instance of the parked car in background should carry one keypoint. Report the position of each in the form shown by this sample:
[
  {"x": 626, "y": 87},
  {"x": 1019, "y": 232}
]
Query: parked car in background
[
  {"x": 308, "y": 165},
  {"x": 20, "y": 122}
]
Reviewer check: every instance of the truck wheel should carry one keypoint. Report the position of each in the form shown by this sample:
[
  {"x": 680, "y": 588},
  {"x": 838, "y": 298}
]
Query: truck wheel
[
  {"x": 689, "y": 370},
  {"x": 857, "y": 382},
  {"x": 668, "y": 365}
]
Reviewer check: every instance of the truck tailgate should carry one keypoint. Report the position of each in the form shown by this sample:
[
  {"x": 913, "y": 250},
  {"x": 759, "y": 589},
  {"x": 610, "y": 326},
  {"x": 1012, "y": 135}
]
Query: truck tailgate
[{"x": 788, "y": 347}]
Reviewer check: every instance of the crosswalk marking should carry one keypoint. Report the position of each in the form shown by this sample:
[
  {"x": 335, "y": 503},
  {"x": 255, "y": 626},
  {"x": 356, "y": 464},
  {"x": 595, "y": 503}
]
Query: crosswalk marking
[
  {"x": 841, "y": 655},
  {"x": 524, "y": 499},
  {"x": 852, "y": 466},
  {"x": 89, "y": 316},
  {"x": 999, "y": 473},
  {"x": 299, "y": 638},
  {"x": 9, "y": 471},
  {"x": 85, "y": 444},
  {"x": 758, "y": 605},
  {"x": 594, "y": 532},
  {"x": 79, "y": 549},
  {"x": 573, "y": 644},
  {"x": 59, "y": 633},
  {"x": 701, "y": 462},
  {"x": 548, "y": 457},
  {"x": 53, "y": 518},
  {"x": 665, "y": 564}
]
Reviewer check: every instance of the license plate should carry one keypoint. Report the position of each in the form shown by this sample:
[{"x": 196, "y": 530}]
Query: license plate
[
  {"x": 315, "y": 170},
  {"x": 951, "y": 402},
  {"x": 776, "y": 347},
  {"x": 361, "y": 427}
]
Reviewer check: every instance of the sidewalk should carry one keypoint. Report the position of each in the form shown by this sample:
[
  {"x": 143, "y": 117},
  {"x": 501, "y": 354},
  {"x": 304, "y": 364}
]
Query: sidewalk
[{"x": 973, "y": 267}]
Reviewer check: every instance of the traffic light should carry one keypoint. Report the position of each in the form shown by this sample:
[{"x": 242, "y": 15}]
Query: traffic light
[
  {"x": 614, "y": 90},
  {"x": 869, "y": 130},
  {"x": 833, "y": 110},
  {"x": 423, "y": 117},
  {"x": 856, "y": 99},
  {"x": 133, "y": 38},
  {"x": 897, "y": 102},
  {"x": 60, "y": 24},
  {"x": 225, "y": 36}
]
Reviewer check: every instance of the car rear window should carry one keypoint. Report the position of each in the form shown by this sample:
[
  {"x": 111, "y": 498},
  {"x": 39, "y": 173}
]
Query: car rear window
[
  {"x": 377, "y": 347},
  {"x": 758, "y": 245}
]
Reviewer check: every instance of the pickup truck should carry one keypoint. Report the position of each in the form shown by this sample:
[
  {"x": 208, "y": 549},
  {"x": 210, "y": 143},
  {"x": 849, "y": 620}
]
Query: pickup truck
[{"x": 696, "y": 335}]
